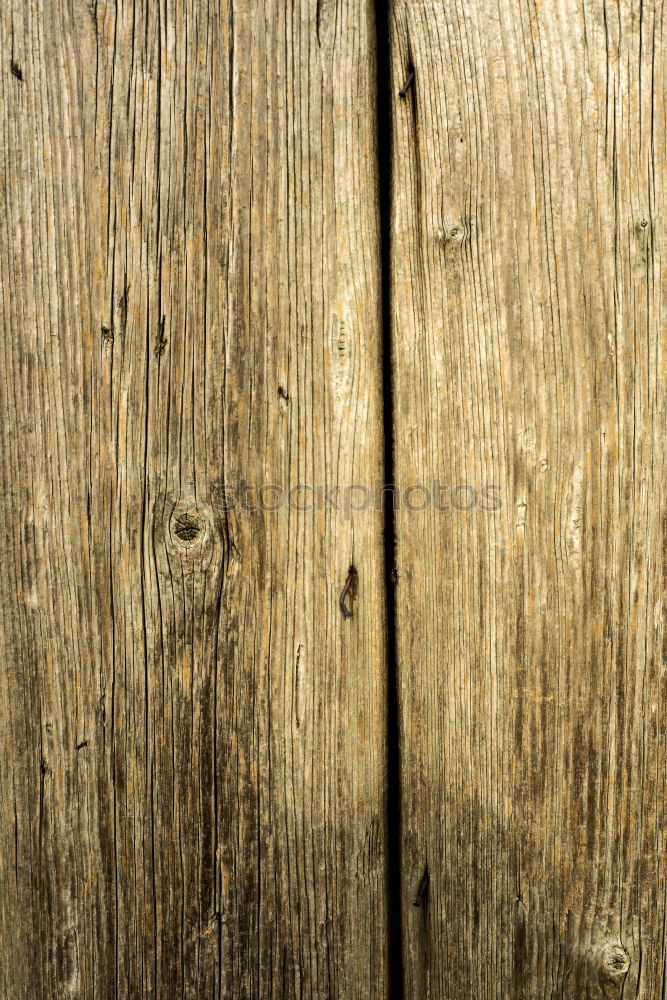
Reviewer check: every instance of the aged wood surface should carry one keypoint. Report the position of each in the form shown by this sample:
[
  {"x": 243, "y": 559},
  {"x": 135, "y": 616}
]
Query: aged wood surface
[
  {"x": 528, "y": 289},
  {"x": 192, "y": 791}
]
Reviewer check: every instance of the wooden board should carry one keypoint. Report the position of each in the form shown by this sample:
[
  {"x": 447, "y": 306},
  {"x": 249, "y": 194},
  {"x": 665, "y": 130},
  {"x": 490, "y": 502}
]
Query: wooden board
[
  {"x": 191, "y": 733},
  {"x": 528, "y": 310}
]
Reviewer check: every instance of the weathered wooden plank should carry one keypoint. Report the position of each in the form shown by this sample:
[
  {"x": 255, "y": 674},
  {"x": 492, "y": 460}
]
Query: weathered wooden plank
[
  {"x": 193, "y": 753},
  {"x": 528, "y": 291}
]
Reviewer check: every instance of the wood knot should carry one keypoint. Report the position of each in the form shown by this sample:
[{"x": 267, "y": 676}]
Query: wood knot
[
  {"x": 187, "y": 527},
  {"x": 16, "y": 70},
  {"x": 615, "y": 960},
  {"x": 191, "y": 531},
  {"x": 452, "y": 235}
]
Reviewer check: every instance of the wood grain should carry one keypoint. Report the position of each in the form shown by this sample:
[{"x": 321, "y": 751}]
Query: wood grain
[
  {"x": 192, "y": 791},
  {"x": 528, "y": 313}
]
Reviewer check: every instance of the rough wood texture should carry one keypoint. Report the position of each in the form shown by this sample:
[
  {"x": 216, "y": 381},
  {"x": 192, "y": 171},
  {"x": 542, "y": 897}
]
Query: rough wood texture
[
  {"x": 528, "y": 278},
  {"x": 192, "y": 735}
]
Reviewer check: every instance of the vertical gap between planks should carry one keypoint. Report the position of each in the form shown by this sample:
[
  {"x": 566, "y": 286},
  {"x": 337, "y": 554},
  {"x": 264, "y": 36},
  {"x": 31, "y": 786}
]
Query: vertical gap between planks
[{"x": 384, "y": 153}]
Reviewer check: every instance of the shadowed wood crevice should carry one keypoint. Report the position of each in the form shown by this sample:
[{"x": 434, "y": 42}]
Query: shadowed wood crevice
[{"x": 393, "y": 773}]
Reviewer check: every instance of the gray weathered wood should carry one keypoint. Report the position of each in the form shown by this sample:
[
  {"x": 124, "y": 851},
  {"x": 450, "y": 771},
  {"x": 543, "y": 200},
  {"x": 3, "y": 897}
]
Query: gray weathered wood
[
  {"x": 192, "y": 735},
  {"x": 528, "y": 283}
]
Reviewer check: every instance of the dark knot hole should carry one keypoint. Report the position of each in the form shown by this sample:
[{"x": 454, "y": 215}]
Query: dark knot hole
[{"x": 187, "y": 527}]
